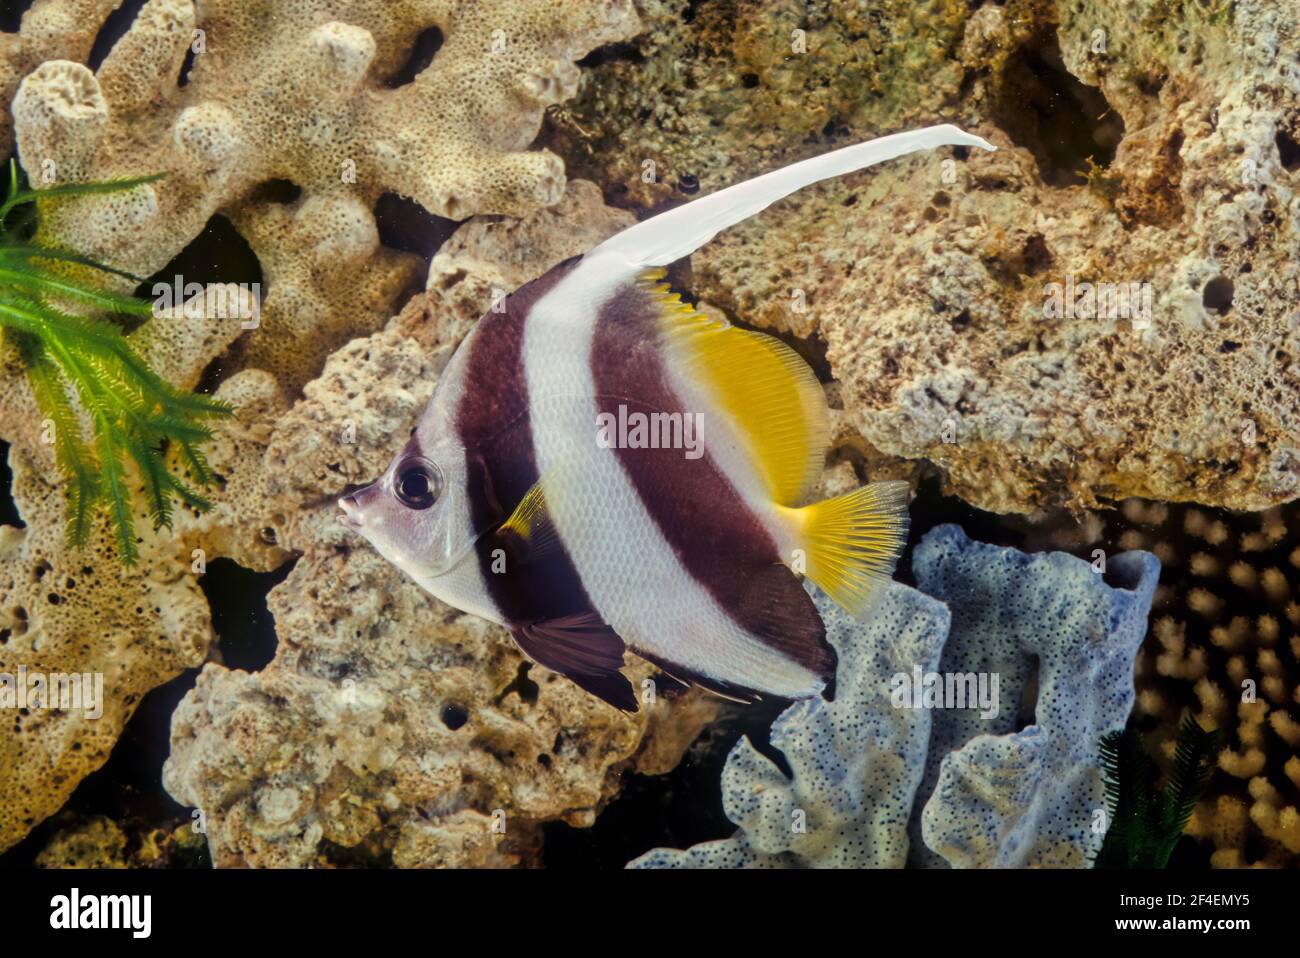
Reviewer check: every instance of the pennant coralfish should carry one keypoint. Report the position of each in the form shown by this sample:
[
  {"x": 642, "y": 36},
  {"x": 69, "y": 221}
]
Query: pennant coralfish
[{"x": 602, "y": 468}]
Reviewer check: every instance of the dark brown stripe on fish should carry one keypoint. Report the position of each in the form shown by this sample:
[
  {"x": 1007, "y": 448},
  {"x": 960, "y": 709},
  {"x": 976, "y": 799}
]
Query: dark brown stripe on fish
[
  {"x": 495, "y": 392},
  {"x": 492, "y": 423},
  {"x": 714, "y": 534}
]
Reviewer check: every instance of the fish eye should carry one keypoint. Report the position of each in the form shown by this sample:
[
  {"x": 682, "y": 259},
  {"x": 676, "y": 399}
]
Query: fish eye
[{"x": 418, "y": 484}]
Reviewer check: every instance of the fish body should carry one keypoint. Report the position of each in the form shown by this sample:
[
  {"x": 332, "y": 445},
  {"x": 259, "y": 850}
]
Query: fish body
[{"x": 601, "y": 468}]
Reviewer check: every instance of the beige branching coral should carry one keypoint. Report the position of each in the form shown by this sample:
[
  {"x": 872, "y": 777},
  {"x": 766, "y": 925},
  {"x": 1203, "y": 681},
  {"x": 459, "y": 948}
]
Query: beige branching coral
[
  {"x": 51, "y": 30},
  {"x": 306, "y": 92},
  {"x": 1225, "y": 644}
]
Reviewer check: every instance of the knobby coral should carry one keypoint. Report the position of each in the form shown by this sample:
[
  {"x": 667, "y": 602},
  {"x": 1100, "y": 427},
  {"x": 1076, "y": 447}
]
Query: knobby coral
[
  {"x": 1225, "y": 647},
  {"x": 315, "y": 94}
]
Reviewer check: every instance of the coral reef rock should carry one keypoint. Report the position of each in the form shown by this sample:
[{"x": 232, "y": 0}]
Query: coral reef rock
[
  {"x": 99, "y": 842},
  {"x": 980, "y": 790},
  {"x": 389, "y": 725},
  {"x": 1103, "y": 308},
  {"x": 67, "y": 611},
  {"x": 50, "y": 30}
]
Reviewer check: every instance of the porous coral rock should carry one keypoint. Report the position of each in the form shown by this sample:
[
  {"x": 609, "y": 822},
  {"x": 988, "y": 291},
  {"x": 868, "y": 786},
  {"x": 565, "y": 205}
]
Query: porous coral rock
[
  {"x": 877, "y": 782},
  {"x": 928, "y": 280},
  {"x": 746, "y": 86},
  {"x": 236, "y": 526},
  {"x": 388, "y": 719},
  {"x": 328, "y": 279},
  {"x": 50, "y": 30},
  {"x": 385, "y": 710},
  {"x": 99, "y": 842},
  {"x": 65, "y": 610},
  {"x": 77, "y": 612},
  {"x": 313, "y": 93}
]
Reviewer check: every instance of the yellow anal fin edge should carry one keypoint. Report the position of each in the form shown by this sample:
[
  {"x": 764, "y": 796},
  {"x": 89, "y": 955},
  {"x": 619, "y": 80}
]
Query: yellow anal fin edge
[
  {"x": 765, "y": 388},
  {"x": 853, "y": 541}
]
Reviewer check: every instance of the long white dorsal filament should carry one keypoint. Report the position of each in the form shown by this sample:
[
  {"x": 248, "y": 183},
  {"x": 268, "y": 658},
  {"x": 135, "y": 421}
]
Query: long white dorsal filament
[{"x": 678, "y": 232}]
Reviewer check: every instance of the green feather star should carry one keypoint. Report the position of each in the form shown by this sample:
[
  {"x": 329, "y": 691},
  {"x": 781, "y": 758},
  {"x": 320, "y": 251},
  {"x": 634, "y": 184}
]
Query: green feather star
[
  {"x": 75, "y": 359},
  {"x": 1145, "y": 822}
]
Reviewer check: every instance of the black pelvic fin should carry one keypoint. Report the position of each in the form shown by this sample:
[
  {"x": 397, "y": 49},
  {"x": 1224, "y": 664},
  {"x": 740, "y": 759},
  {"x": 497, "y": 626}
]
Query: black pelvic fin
[{"x": 583, "y": 648}]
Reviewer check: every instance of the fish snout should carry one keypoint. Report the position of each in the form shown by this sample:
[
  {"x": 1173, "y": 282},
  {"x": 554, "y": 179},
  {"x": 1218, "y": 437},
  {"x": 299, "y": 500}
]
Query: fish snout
[{"x": 352, "y": 516}]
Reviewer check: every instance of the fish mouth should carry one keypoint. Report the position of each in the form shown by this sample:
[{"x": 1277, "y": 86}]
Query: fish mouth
[{"x": 351, "y": 517}]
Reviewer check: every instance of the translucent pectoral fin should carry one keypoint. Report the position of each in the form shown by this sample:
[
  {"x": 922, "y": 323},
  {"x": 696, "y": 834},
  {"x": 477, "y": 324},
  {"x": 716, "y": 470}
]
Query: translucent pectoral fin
[{"x": 531, "y": 527}]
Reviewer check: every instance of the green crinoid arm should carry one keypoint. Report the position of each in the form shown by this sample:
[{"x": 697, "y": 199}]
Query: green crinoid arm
[
  {"x": 73, "y": 359},
  {"x": 15, "y": 196},
  {"x": 1194, "y": 757},
  {"x": 1145, "y": 822},
  {"x": 74, "y": 458}
]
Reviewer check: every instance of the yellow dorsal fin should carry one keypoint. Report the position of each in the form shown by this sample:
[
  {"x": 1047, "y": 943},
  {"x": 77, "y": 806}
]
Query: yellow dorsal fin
[{"x": 769, "y": 393}]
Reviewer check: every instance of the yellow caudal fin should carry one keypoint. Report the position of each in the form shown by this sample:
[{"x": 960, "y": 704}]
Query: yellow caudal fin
[
  {"x": 767, "y": 391},
  {"x": 853, "y": 541}
]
